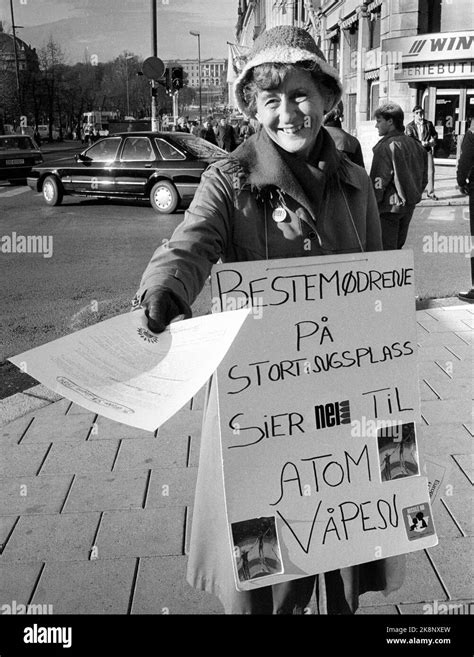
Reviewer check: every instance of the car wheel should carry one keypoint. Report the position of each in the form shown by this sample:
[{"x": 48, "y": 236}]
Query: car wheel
[
  {"x": 164, "y": 197},
  {"x": 52, "y": 191}
]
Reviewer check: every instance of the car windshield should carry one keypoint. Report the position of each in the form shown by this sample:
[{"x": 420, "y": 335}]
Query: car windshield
[
  {"x": 197, "y": 146},
  {"x": 16, "y": 144}
]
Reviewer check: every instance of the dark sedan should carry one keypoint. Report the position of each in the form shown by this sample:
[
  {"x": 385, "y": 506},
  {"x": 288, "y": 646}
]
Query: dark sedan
[
  {"x": 18, "y": 154},
  {"x": 163, "y": 167}
]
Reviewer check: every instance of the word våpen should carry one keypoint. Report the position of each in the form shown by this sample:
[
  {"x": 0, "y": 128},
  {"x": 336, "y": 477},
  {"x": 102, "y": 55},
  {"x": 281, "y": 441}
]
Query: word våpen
[{"x": 15, "y": 243}]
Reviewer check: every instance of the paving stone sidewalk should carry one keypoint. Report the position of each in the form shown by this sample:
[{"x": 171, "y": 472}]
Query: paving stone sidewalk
[{"x": 95, "y": 516}]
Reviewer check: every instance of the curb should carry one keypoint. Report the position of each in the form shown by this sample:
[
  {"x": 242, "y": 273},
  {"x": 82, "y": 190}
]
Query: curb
[
  {"x": 21, "y": 403},
  {"x": 441, "y": 202}
]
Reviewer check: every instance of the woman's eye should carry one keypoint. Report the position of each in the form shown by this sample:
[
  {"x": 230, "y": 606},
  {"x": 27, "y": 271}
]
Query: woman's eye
[
  {"x": 300, "y": 98},
  {"x": 271, "y": 102}
]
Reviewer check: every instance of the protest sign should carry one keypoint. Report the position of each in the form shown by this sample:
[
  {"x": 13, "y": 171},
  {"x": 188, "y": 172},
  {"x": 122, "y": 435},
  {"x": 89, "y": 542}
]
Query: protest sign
[{"x": 318, "y": 403}]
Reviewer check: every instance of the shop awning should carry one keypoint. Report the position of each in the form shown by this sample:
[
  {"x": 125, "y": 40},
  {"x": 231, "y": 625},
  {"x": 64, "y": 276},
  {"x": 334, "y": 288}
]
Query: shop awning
[
  {"x": 332, "y": 34},
  {"x": 349, "y": 21},
  {"x": 373, "y": 5},
  {"x": 372, "y": 75}
]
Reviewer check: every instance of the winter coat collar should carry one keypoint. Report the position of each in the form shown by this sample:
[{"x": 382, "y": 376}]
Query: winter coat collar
[
  {"x": 264, "y": 165},
  {"x": 386, "y": 138}
]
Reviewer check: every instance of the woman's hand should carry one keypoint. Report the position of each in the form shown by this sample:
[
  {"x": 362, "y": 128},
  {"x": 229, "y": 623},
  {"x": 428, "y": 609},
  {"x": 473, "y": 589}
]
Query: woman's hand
[{"x": 161, "y": 307}]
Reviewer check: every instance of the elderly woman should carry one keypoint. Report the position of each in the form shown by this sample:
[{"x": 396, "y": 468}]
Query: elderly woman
[{"x": 285, "y": 192}]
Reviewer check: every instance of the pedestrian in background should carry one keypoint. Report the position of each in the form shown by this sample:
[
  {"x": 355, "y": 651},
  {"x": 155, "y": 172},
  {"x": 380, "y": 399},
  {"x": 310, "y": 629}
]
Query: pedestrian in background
[
  {"x": 195, "y": 128},
  {"x": 398, "y": 174},
  {"x": 286, "y": 192},
  {"x": 465, "y": 180},
  {"x": 226, "y": 136},
  {"x": 245, "y": 130},
  {"x": 181, "y": 125},
  {"x": 424, "y": 132},
  {"x": 37, "y": 137},
  {"x": 344, "y": 141},
  {"x": 208, "y": 133}
]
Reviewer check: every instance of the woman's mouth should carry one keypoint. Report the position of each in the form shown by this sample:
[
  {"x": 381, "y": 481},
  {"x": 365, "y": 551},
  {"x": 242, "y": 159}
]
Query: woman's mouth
[{"x": 292, "y": 129}]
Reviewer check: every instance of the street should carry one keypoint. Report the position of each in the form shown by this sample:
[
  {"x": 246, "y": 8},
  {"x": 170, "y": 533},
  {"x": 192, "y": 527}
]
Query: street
[{"x": 100, "y": 249}]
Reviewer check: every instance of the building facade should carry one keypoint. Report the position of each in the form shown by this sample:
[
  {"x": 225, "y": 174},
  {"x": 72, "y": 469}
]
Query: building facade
[
  {"x": 406, "y": 51},
  {"x": 213, "y": 71}
]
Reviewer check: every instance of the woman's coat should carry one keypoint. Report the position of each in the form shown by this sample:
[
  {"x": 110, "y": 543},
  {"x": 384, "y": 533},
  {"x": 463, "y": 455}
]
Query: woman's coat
[{"x": 230, "y": 219}]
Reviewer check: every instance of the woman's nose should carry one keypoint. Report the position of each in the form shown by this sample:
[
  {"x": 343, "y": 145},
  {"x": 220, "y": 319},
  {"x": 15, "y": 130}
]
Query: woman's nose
[{"x": 287, "y": 110}]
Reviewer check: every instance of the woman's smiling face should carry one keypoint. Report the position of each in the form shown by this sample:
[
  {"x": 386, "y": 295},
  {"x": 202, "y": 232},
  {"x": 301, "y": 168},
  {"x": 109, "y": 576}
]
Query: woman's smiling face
[{"x": 292, "y": 113}]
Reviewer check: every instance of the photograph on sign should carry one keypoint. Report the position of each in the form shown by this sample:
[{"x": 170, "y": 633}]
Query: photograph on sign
[
  {"x": 398, "y": 451},
  {"x": 256, "y": 548},
  {"x": 418, "y": 521}
]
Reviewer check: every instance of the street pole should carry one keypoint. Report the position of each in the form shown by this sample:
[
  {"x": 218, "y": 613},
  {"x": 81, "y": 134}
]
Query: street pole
[
  {"x": 17, "y": 68},
  {"x": 198, "y": 35},
  {"x": 155, "y": 126},
  {"x": 127, "y": 57}
]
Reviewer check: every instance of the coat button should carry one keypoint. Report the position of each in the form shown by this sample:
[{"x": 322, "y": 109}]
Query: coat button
[{"x": 311, "y": 235}]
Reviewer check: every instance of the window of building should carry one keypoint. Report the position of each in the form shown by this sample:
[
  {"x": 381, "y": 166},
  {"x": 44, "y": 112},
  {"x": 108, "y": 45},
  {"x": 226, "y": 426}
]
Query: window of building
[
  {"x": 374, "y": 29},
  {"x": 353, "y": 36},
  {"x": 259, "y": 14},
  {"x": 333, "y": 53},
  {"x": 299, "y": 11},
  {"x": 374, "y": 98},
  {"x": 445, "y": 16}
]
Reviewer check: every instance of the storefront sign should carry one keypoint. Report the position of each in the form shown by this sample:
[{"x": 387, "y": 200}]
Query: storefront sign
[
  {"x": 318, "y": 399},
  {"x": 435, "y": 71},
  {"x": 440, "y": 46}
]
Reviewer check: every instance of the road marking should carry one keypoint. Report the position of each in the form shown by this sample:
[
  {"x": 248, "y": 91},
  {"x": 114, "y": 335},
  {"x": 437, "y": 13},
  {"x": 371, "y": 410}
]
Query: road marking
[
  {"x": 15, "y": 192},
  {"x": 442, "y": 214}
]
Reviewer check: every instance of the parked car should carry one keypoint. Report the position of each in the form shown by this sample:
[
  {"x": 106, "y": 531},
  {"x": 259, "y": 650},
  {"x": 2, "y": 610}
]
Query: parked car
[
  {"x": 18, "y": 154},
  {"x": 162, "y": 167}
]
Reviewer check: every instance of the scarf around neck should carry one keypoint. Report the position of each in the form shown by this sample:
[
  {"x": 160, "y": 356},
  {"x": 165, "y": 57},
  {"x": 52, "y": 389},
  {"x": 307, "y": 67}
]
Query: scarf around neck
[{"x": 268, "y": 165}]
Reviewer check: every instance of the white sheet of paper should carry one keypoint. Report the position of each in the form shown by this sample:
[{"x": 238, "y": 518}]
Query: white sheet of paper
[{"x": 121, "y": 370}]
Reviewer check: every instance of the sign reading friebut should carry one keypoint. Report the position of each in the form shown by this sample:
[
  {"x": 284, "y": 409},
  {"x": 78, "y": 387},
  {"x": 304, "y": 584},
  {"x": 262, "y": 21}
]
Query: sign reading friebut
[{"x": 318, "y": 400}]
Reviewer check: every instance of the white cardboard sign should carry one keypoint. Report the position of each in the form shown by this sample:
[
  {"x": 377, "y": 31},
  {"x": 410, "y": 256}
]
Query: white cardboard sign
[{"x": 318, "y": 400}]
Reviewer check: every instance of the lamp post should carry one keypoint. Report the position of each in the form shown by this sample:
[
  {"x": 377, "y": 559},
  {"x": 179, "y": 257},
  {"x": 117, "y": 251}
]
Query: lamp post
[
  {"x": 127, "y": 57},
  {"x": 198, "y": 35}
]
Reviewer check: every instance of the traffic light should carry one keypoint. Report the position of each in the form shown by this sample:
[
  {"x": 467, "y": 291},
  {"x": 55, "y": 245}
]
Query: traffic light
[{"x": 177, "y": 77}]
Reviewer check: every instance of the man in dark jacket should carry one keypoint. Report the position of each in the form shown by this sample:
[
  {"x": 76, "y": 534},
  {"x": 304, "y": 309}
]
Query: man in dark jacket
[
  {"x": 343, "y": 140},
  {"x": 424, "y": 132},
  {"x": 398, "y": 174},
  {"x": 465, "y": 180},
  {"x": 208, "y": 133},
  {"x": 226, "y": 136}
]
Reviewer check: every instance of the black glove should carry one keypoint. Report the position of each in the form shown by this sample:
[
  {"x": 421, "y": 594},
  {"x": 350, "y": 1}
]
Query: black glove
[{"x": 161, "y": 306}]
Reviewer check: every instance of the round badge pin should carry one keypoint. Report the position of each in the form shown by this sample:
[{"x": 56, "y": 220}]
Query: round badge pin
[{"x": 279, "y": 214}]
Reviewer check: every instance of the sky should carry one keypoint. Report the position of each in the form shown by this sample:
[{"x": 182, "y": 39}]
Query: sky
[{"x": 104, "y": 29}]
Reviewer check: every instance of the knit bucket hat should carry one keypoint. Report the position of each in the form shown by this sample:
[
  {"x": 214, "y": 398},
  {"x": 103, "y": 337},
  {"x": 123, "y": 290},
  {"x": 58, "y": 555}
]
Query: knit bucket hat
[{"x": 283, "y": 44}]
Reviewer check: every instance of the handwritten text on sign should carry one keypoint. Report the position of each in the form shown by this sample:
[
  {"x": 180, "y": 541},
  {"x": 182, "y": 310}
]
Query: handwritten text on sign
[{"x": 318, "y": 397}]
